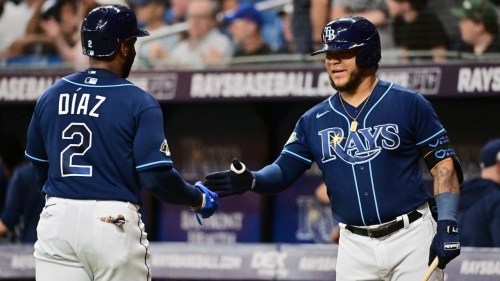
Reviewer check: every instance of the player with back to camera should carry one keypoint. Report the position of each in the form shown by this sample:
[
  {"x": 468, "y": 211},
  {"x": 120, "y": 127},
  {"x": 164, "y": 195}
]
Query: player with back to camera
[
  {"x": 94, "y": 139},
  {"x": 367, "y": 139}
]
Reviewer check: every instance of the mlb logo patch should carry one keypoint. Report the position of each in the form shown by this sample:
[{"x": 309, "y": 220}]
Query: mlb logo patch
[
  {"x": 90, "y": 53},
  {"x": 91, "y": 80}
]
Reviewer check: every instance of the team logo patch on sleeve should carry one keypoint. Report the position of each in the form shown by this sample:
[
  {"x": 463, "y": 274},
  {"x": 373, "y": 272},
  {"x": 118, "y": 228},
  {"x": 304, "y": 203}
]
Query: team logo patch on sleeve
[
  {"x": 164, "y": 148},
  {"x": 292, "y": 138}
]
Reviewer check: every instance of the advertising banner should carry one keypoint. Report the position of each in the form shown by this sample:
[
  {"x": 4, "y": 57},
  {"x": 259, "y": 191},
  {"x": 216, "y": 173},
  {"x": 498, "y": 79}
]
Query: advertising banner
[
  {"x": 176, "y": 261},
  {"x": 273, "y": 83}
]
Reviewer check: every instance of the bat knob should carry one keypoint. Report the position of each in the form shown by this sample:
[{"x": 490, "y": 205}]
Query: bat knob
[{"x": 237, "y": 166}]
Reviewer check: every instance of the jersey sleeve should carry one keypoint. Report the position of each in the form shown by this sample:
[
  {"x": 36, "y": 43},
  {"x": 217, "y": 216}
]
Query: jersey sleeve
[
  {"x": 297, "y": 145},
  {"x": 150, "y": 145},
  {"x": 427, "y": 126},
  {"x": 35, "y": 149}
]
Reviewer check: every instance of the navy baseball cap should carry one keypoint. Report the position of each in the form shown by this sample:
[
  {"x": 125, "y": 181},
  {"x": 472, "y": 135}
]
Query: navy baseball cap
[
  {"x": 490, "y": 153},
  {"x": 247, "y": 12}
]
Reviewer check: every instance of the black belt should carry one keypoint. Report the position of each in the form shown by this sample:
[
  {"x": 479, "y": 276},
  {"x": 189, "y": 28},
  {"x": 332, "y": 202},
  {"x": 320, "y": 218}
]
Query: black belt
[{"x": 384, "y": 230}]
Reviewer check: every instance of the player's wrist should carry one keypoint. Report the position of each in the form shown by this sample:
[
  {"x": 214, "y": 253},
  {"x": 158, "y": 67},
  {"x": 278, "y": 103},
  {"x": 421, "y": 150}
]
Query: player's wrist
[
  {"x": 202, "y": 202},
  {"x": 447, "y": 206},
  {"x": 447, "y": 226}
]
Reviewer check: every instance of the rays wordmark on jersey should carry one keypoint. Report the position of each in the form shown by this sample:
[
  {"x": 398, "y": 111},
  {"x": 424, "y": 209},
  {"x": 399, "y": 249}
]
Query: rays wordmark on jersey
[{"x": 360, "y": 146}]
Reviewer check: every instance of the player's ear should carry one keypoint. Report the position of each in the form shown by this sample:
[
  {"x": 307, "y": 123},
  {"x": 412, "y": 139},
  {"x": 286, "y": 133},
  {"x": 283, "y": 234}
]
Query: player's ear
[
  {"x": 127, "y": 47},
  {"x": 124, "y": 49}
]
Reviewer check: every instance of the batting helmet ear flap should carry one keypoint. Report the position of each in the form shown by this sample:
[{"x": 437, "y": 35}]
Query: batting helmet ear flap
[{"x": 370, "y": 54}]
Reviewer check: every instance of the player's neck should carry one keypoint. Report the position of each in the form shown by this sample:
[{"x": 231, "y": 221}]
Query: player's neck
[
  {"x": 113, "y": 67},
  {"x": 358, "y": 95}
]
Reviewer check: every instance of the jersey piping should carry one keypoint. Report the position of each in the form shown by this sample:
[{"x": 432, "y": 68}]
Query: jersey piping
[
  {"x": 369, "y": 162},
  {"x": 34, "y": 158},
  {"x": 296, "y": 155},
  {"x": 331, "y": 105},
  {"x": 152, "y": 163},
  {"x": 424, "y": 141},
  {"x": 352, "y": 165},
  {"x": 97, "y": 86}
]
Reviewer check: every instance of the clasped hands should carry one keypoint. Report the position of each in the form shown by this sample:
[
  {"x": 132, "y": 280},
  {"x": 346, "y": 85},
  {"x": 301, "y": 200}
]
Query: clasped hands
[{"x": 237, "y": 180}]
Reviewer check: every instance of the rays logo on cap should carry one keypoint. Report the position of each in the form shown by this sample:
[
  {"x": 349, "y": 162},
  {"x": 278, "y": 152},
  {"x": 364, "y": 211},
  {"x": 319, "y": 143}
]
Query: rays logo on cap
[
  {"x": 329, "y": 34},
  {"x": 164, "y": 148}
]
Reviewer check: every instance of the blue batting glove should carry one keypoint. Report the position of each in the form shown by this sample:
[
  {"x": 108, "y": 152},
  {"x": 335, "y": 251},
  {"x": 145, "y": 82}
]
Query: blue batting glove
[
  {"x": 209, "y": 203},
  {"x": 446, "y": 243}
]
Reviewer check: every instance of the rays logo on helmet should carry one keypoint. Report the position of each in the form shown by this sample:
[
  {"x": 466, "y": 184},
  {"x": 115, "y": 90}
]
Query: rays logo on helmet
[
  {"x": 292, "y": 138},
  {"x": 329, "y": 33},
  {"x": 164, "y": 148}
]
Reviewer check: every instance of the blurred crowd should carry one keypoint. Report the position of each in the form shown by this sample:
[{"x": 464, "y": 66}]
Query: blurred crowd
[{"x": 197, "y": 33}]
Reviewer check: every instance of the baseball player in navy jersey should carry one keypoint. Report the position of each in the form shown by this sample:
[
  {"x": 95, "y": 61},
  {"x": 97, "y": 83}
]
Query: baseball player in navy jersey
[
  {"x": 94, "y": 140},
  {"x": 367, "y": 139}
]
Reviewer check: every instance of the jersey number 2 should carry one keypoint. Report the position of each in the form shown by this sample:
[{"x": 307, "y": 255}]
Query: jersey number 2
[{"x": 68, "y": 169}]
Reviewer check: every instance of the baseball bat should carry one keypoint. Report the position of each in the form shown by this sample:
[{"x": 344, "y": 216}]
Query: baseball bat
[
  {"x": 431, "y": 269},
  {"x": 237, "y": 167}
]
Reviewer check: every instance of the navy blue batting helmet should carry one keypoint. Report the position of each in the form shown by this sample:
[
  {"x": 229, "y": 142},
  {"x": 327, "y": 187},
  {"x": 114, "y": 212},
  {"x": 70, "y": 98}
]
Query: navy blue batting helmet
[
  {"x": 106, "y": 27},
  {"x": 353, "y": 32}
]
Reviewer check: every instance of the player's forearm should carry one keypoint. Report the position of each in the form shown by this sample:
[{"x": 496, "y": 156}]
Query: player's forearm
[
  {"x": 278, "y": 176},
  {"x": 445, "y": 177},
  {"x": 319, "y": 17},
  {"x": 446, "y": 189},
  {"x": 169, "y": 187}
]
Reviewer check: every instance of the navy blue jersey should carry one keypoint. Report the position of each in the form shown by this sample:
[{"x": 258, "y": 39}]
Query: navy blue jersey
[
  {"x": 479, "y": 213},
  {"x": 96, "y": 131},
  {"x": 24, "y": 203},
  {"x": 373, "y": 174}
]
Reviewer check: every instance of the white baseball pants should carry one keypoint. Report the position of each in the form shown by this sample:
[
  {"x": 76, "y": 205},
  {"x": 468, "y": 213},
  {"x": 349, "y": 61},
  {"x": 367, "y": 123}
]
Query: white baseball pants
[
  {"x": 74, "y": 244},
  {"x": 402, "y": 255}
]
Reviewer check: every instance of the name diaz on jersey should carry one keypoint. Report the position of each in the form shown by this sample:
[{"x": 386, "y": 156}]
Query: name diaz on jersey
[{"x": 78, "y": 105}]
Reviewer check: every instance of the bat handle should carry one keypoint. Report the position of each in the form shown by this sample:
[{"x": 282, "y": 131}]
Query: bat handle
[
  {"x": 239, "y": 170},
  {"x": 431, "y": 269}
]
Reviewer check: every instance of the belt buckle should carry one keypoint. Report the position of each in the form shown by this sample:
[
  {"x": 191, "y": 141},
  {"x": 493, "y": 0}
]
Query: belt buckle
[{"x": 369, "y": 232}]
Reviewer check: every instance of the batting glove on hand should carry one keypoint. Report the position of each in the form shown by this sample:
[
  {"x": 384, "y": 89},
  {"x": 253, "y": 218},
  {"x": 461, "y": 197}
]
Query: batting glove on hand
[
  {"x": 446, "y": 243},
  {"x": 238, "y": 180},
  {"x": 209, "y": 203}
]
